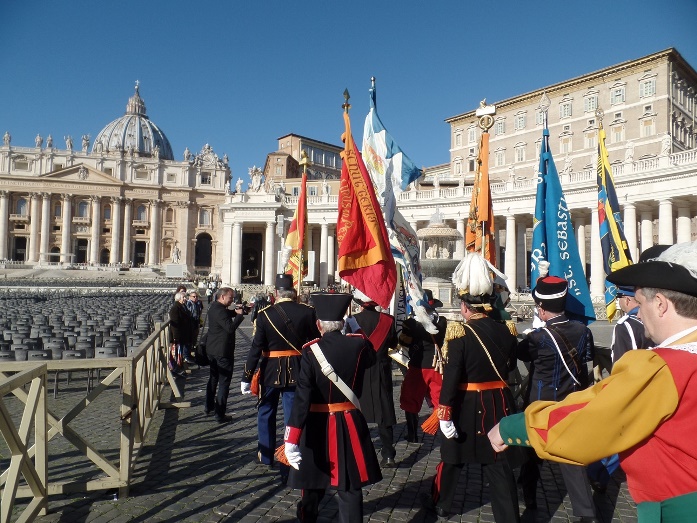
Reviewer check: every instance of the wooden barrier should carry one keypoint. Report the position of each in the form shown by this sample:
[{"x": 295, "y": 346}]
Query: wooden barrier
[{"x": 145, "y": 375}]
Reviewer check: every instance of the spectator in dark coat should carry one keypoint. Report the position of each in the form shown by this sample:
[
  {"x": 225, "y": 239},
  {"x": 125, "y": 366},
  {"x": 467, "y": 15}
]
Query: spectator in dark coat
[
  {"x": 220, "y": 346},
  {"x": 181, "y": 328}
]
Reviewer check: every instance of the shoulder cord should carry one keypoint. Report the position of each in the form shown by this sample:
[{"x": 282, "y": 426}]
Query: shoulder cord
[
  {"x": 554, "y": 340},
  {"x": 631, "y": 335},
  {"x": 329, "y": 372},
  {"x": 486, "y": 351},
  {"x": 279, "y": 333}
]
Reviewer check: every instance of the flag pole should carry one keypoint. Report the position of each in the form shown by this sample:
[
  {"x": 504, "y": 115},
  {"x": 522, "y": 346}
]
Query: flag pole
[
  {"x": 485, "y": 114},
  {"x": 304, "y": 162}
]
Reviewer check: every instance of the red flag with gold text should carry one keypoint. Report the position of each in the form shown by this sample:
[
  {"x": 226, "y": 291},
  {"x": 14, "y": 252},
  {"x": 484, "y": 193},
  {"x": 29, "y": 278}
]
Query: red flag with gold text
[{"x": 365, "y": 258}]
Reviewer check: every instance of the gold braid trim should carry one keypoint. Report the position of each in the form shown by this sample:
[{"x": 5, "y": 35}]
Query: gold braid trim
[
  {"x": 455, "y": 329},
  {"x": 511, "y": 327}
]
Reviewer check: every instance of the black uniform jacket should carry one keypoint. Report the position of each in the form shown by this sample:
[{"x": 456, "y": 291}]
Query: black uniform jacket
[
  {"x": 181, "y": 329},
  {"x": 222, "y": 324},
  {"x": 337, "y": 450},
  {"x": 274, "y": 333},
  {"x": 420, "y": 341},
  {"x": 476, "y": 412},
  {"x": 629, "y": 334},
  {"x": 377, "y": 400},
  {"x": 549, "y": 378}
]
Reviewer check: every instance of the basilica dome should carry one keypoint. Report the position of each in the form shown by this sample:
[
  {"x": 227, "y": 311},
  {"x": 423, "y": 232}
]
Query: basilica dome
[{"x": 134, "y": 131}]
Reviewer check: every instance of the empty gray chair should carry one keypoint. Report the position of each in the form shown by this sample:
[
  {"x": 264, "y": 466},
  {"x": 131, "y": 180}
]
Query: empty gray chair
[
  {"x": 39, "y": 355},
  {"x": 7, "y": 355}
]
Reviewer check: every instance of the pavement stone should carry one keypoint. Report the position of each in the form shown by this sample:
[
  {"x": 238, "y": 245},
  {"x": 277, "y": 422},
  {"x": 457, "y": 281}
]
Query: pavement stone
[{"x": 192, "y": 469}]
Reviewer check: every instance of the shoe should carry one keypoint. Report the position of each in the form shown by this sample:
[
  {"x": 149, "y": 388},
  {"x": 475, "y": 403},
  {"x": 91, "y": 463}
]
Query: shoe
[
  {"x": 388, "y": 463},
  {"x": 428, "y": 504},
  {"x": 189, "y": 361},
  {"x": 224, "y": 419},
  {"x": 598, "y": 487},
  {"x": 531, "y": 504},
  {"x": 207, "y": 412}
]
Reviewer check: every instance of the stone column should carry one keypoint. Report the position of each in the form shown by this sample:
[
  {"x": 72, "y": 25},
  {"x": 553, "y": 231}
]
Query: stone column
[
  {"x": 226, "y": 271},
  {"x": 45, "y": 226},
  {"x": 269, "y": 253},
  {"x": 646, "y": 231},
  {"x": 65, "y": 229},
  {"x": 511, "y": 253},
  {"x": 114, "y": 253},
  {"x": 183, "y": 219},
  {"x": 331, "y": 254},
  {"x": 154, "y": 251},
  {"x": 236, "y": 254},
  {"x": 522, "y": 248},
  {"x": 127, "y": 228},
  {"x": 581, "y": 241},
  {"x": 630, "y": 230},
  {"x": 34, "y": 229},
  {"x": 4, "y": 221},
  {"x": 684, "y": 227},
  {"x": 311, "y": 270},
  {"x": 597, "y": 268},
  {"x": 324, "y": 237},
  {"x": 96, "y": 228},
  {"x": 460, "y": 244},
  {"x": 665, "y": 222}
]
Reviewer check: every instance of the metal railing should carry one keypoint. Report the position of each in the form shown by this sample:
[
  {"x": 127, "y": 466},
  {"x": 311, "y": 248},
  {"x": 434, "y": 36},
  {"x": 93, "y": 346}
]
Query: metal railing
[{"x": 144, "y": 375}]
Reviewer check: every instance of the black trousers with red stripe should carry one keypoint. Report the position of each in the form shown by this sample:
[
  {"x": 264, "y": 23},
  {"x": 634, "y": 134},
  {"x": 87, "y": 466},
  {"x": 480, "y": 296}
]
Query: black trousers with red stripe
[
  {"x": 350, "y": 505},
  {"x": 502, "y": 488}
]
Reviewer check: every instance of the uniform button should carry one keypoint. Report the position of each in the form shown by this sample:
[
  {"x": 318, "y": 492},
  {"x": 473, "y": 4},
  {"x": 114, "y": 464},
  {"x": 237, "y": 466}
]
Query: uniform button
[
  {"x": 479, "y": 412},
  {"x": 479, "y": 432},
  {"x": 517, "y": 440},
  {"x": 527, "y": 442},
  {"x": 510, "y": 440}
]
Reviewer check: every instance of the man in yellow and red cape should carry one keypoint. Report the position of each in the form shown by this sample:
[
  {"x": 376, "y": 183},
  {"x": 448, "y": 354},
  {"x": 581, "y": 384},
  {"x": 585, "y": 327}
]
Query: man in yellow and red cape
[{"x": 645, "y": 410}]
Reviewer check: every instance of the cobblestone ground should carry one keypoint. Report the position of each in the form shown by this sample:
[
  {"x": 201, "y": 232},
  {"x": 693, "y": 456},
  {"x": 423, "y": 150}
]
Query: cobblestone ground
[{"x": 192, "y": 469}]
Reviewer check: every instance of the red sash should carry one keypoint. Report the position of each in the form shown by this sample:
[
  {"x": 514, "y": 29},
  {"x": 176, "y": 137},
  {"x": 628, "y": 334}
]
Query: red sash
[{"x": 381, "y": 331}]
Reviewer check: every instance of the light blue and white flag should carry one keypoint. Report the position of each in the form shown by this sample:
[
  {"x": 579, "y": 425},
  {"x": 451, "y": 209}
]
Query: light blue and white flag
[
  {"x": 391, "y": 172},
  {"x": 553, "y": 238}
]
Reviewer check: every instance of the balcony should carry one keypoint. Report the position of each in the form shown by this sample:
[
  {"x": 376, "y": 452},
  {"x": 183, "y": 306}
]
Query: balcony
[
  {"x": 21, "y": 218},
  {"x": 141, "y": 224},
  {"x": 82, "y": 220}
]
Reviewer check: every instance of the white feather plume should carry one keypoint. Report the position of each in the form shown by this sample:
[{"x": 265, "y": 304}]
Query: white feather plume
[
  {"x": 684, "y": 254},
  {"x": 285, "y": 256},
  {"x": 473, "y": 274}
]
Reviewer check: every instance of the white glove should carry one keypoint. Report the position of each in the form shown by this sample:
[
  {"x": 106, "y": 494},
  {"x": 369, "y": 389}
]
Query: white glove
[
  {"x": 448, "y": 429},
  {"x": 246, "y": 388},
  {"x": 352, "y": 324},
  {"x": 293, "y": 454}
]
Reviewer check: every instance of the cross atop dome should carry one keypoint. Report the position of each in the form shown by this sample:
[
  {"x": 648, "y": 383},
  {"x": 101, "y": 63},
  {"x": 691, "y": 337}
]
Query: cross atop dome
[{"x": 136, "y": 105}]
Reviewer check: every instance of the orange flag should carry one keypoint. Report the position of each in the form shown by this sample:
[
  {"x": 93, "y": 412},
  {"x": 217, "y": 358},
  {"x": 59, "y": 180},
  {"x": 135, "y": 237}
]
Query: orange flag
[
  {"x": 480, "y": 223},
  {"x": 365, "y": 258},
  {"x": 296, "y": 239}
]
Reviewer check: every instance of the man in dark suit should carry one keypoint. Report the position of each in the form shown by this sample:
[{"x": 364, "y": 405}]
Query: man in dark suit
[
  {"x": 558, "y": 352},
  {"x": 281, "y": 331},
  {"x": 220, "y": 346},
  {"x": 327, "y": 440},
  {"x": 377, "y": 402}
]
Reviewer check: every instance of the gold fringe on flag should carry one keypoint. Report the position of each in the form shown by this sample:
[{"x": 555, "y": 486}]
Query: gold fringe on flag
[
  {"x": 280, "y": 455},
  {"x": 430, "y": 426}
]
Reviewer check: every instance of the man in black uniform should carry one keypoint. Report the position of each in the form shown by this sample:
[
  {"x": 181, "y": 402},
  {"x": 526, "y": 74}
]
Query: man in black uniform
[
  {"x": 220, "y": 347},
  {"x": 476, "y": 373},
  {"x": 327, "y": 440},
  {"x": 558, "y": 352},
  {"x": 377, "y": 402},
  {"x": 281, "y": 331}
]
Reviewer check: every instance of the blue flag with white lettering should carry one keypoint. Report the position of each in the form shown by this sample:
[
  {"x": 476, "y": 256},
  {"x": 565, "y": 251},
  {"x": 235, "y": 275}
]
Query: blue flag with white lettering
[{"x": 553, "y": 238}]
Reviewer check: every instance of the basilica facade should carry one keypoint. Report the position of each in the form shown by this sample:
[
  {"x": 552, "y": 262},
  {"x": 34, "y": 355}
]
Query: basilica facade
[
  {"x": 123, "y": 200},
  {"x": 120, "y": 200}
]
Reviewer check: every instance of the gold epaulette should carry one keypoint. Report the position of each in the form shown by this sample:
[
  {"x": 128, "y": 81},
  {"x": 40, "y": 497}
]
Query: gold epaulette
[
  {"x": 455, "y": 329},
  {"x": 261, "y": 310},
  {"x": 511, "y": 327}
]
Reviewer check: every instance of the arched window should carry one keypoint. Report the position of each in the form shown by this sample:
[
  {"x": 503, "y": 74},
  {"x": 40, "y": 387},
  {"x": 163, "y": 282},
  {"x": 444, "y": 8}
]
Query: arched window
[
  {"x": 204, "y": 217},
  {"x": 22, "y": 206},
  {"x": 82, "y": 209},
  {"x": 57, "y": 210},
  {"x": 107, "y": 212},
  {"x": 141, "y": 213},
  {"x": 169, "y": 215}
]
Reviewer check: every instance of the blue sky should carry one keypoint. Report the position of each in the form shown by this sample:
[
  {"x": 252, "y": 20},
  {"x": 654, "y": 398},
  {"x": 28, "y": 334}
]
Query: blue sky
[{"x": 238, "y": 74}]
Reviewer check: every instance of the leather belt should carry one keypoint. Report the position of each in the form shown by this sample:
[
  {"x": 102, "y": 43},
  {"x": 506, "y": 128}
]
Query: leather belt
[
  {"x": 484, "y": 385},
  {"x": 280, "y": 353},
  {"x": 332, "y": 407}
]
